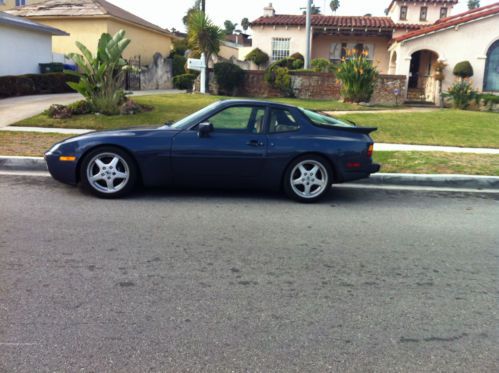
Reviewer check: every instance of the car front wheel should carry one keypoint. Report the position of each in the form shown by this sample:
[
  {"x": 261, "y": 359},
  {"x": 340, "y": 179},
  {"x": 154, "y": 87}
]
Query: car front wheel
[
  {"x": 308, "y": 179},
  {"x": 108, "y": 172}
]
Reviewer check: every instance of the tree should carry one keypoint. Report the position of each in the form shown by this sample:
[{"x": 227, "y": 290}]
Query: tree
[
  {"x": 245, "y": 24},
  {"x": 472, "y": 4},
  {"x": 334, "y": 4},
  {"x": 314, "y": 10},
  {"x": 229, "y": 27},
  {"x": 203, "y": 35},
  {"x": 196, "y": 7},
  {"x": 102, "y": 76}
]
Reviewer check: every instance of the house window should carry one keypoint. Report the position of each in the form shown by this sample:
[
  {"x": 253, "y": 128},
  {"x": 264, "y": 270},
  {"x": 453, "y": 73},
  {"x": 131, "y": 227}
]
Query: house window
[
  {"x": 20, "y": 2},
  {"x": 280, "y": 48},
  {"x": 423, "y": 13},
  {"x": 403, "y": 13},
  {"x": 338, "y": 51},
  {"x": 443, "y": 12},
  {"x": 491, "y": 80}
]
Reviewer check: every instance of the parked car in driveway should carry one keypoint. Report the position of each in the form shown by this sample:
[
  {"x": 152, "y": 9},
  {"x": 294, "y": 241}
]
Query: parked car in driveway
[{"x": 231, "y": 143}]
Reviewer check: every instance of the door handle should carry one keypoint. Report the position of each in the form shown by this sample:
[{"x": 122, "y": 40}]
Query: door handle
[{"x": 255, "y": 143}]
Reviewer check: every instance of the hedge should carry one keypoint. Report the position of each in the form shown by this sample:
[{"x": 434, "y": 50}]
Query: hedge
[{"x": 33, "y": 84}]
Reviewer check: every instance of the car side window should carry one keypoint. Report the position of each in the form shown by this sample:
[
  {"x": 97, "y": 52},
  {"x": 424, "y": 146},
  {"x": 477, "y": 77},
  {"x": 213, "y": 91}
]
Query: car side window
[
  {"x": 239, "y": 119},
  {"x": 282, "y": 121}
]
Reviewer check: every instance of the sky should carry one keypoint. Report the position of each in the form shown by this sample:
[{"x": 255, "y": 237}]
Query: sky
[{"x": 169, "y": 13}]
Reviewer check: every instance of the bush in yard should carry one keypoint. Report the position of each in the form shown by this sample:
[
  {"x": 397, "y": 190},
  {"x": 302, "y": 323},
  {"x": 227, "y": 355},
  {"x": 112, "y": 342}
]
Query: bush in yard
[
  {"x": 35, "y": 84},
  {"x": 277, "y": 76},
  {"x": 178, "y": 65},
  {"x": 297, "y": 64},
  {"x": 322, "y": 65},
  {"x": 80, "y": 107},
  {"x": 59, "y": 112},
  {"x": 358, "y": 77},
  {"x": 184, "y": 81},
  {"x": 462, "y": 93},
  {"x": 102, "y": 76},
  {"x": 130, "y": 107},
  {"x": 297, "y": 56},
  {"x": 463, "y": 70},
  {"x": 228, "y": 76},
  {"x": 258, "y": 57}
]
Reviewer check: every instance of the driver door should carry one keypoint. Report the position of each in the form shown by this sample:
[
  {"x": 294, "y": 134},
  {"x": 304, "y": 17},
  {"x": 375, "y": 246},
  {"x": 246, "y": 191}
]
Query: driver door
[{"x": 232, "y": 154}]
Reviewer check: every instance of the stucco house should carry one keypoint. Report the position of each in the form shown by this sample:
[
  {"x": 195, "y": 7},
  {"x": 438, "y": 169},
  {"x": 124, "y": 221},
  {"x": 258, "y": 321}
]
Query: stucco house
[
  {"x": 31, "y": 41},
  {"x": 86, "y": 20},
  {"x": 408, "y": 41}
]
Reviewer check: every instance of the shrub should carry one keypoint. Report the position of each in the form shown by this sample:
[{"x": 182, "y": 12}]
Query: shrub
[
  {"x": 462, "y": 93},
  {"x": 463, "y": 70},
  {"x": 322, "y": 65},
  {"x": 258, "y": 57},
  {"x": 178, "y": 64},
  {"x": 184, "y": 81},
  {"x": 358, "y": 77},
  {"x": 277, "y": 76},
  {"x": 488, "y": 97},
  {"x": 35, "y": 84},
  {"x": 130, "y": 107},
  {"x": 228, "y": 77},
  {"x": 297, "y": 64},
  {"x": 297, "y": 56},
  {"x": 58, "y": 112},
  {"x": 80, "y": 107}
]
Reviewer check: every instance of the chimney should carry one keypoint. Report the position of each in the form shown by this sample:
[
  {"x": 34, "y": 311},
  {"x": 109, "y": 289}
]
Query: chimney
[{"x": 269, "y": 11}]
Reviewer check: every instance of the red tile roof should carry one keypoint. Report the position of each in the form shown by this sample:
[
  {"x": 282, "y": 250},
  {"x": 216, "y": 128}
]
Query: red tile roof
[
  {"x": 426, "y": 1},
  {"x": 452, "y": 21},
  {"x": 326, "y": 21}
]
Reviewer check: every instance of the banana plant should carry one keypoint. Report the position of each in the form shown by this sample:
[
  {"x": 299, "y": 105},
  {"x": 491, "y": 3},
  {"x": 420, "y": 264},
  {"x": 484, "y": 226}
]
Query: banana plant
[{"x": 102, "y": 76}]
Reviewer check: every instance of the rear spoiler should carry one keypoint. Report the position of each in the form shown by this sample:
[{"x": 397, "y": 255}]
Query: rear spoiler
[{"x": 355, "y": 129}]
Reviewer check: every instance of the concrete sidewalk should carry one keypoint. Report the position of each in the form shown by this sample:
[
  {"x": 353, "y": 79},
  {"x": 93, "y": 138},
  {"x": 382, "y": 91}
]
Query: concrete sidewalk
[
  {"x": 377, "y": 146},
  {"x": 14, "y": 109}
]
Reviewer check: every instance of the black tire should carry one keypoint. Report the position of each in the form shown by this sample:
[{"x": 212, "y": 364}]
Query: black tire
[
  {"x": 308, "y": 179},
  {"x": 125, "y": 166}
]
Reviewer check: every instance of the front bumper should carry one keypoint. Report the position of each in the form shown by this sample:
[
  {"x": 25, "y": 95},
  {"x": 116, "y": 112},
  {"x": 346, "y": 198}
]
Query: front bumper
[{"x": 65, "y": 172}]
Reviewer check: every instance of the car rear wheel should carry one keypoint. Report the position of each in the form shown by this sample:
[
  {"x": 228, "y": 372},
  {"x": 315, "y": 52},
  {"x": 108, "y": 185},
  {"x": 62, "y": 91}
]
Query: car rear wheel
[
  {"x": 108, "y": 172},
  {"x": 308, "y": 179}
]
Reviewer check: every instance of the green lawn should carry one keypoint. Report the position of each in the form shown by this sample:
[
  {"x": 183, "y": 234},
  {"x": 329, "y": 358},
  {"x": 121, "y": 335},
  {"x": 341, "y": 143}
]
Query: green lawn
[
  {"x": 166, "y": 108},
  {"x": 442, "y": 127},
  {"x": 438, "y": 163}
]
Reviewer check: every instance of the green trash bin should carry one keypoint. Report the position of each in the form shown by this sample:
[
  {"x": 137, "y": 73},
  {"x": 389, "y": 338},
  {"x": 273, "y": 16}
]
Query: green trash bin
[{"x": 53, "y": 67}]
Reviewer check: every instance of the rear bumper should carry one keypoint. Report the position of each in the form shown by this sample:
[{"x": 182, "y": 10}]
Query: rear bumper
[{"x": 356, "y": 175}]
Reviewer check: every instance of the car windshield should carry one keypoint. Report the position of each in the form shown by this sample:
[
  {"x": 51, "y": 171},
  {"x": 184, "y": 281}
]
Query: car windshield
[
  {"x": 325, "y": 120},
  {"x": 193, "y": 117}
]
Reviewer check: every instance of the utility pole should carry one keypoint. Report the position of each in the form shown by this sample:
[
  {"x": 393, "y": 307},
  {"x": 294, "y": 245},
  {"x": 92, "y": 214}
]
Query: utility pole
[
  {"x": 308, "y": 27},
  {"x": 203, "y": 6}
]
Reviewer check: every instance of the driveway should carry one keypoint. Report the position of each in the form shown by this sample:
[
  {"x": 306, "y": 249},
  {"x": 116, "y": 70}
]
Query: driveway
[
  {"x": 169, "y": 281},
  {"x": 14, "y": 109}
]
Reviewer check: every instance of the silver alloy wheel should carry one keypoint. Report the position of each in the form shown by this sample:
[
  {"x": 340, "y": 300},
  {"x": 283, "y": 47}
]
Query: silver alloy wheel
[
  {"x": 108, "y": 173},
  {"x": 309, "y": 178}
]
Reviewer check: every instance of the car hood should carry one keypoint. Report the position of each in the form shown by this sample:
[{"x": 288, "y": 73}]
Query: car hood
[{"x": 125, "y": 132}]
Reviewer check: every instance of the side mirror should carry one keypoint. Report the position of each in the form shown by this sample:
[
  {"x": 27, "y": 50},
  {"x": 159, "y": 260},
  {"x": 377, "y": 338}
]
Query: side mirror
[{"x": 204, "y": 129}]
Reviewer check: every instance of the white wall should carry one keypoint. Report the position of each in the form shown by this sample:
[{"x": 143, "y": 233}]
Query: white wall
[
  {"x": 414, "y": 11},
  {"x": 468, "y": 42},
  {"x": 21, "y": 50},
  {"x": 262, "y": 38}
]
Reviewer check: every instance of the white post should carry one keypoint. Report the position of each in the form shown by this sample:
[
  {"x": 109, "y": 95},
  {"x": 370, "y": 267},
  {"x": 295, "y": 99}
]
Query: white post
[
  {"x": 202, "y": 88},
  {"x": 308, "y": 27}
]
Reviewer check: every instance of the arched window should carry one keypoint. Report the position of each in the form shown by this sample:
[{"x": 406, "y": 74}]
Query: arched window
[{"x": 491, "y": 81}]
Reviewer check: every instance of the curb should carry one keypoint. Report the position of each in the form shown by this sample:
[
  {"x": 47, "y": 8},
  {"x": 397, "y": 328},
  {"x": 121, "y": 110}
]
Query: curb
[
  {"x": 422, "y": 180},
  {"x": 22, "y": 164}
]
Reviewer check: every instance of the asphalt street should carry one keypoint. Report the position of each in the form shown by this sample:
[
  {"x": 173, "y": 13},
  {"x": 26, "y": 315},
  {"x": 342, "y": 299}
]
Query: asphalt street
[{"x": 202, "y": 281}]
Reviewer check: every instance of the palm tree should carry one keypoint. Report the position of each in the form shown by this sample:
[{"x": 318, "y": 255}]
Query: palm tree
[
  {"x": 472, "y": 4},
  {"x": 334, "y": 4},
  {"x": 203, "y": 35}
]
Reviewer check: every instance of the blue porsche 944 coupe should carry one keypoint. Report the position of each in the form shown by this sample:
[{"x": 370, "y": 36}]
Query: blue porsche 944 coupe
[{"x": 231, "y": 143}]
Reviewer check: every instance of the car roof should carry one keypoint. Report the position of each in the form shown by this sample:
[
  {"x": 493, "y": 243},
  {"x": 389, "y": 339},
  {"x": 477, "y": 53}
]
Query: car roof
[{"x": 238, "y": 101}]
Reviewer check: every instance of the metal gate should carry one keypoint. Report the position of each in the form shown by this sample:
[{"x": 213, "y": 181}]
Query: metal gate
[{"x": 132, "y": 80}]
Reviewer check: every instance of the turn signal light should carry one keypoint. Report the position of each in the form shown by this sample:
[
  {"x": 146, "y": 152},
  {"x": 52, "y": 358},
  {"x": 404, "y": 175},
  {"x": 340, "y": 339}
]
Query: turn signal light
[
  {"x": 71, "y": 158},
  {"x": 370, "y": 150}
]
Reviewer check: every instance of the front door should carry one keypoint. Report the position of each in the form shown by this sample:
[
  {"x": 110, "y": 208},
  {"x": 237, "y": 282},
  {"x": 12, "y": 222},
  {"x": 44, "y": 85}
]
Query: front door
[
  {"x": 414, "y": 70},
  {"x": 233, "y": 154}
]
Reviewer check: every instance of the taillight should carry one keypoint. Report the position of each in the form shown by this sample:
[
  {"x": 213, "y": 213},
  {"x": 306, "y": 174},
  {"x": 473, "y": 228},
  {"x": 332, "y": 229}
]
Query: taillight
[{"x": 370, "y": 150}]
